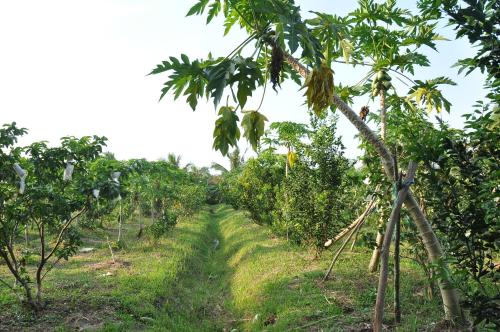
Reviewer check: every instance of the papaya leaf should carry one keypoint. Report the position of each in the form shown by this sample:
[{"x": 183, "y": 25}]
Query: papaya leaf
[
  {"x": 217, "y": 79},
  {"x": 239, "y": 71},
  {"x": 198, "y": 8},
  {"x": 226, "y": 131},
  {"x": 214, "y": 10},
  {"x": 253, "y": 124},
  {"x": 187, "y": 78},
  {"x": 428, "y": 94}
]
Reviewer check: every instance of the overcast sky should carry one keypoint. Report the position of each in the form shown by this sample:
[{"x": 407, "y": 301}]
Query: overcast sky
[{"x": 71, "y": 67}]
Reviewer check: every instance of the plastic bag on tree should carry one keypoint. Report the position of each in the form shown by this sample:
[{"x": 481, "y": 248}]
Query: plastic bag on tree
[
  {"x": 435, "y": 165},
  {"x": 22, "y": 176},
  {"x": 115, "y": 176},
  {"x": 96, "y": 192},
  {"x": 68, "y": 171}
]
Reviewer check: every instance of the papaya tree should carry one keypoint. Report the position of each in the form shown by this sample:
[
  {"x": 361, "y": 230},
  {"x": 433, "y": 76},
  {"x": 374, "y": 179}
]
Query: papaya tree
[
  {"x": 277, "y": 32},
  {"x": 287, "y": 134}
]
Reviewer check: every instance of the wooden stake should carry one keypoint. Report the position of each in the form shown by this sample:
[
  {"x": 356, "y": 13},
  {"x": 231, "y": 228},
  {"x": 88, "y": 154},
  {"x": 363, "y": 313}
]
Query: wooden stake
[
  {"x": 384, "y": 262},
  {"x": 111, "y": 250},
  {"x": 362, "y": 218}
]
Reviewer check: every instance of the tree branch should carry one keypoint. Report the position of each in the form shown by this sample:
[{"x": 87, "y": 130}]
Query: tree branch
[{"x": 61, "y": 233}]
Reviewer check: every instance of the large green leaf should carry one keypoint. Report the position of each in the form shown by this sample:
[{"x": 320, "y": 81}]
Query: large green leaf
[
  {"x": 253, "y": 124},
  {"x": 198, "y": 8},
  {"x": 242, "y": 72},
  {"x": 188, "y": 78},
  {"x": 226, "y": 132}
]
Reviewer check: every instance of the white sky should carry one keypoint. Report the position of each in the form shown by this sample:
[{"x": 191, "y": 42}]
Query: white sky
[{"x": 74, "y": 67}]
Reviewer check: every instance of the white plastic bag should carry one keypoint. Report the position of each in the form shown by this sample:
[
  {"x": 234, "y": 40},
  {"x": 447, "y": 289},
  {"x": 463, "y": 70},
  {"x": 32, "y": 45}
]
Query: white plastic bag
[
  {"x": 435, "y": 165},
  {"x": 96, "y": 192},
  {"x": 68, "y": 171},
  {"x": 22, "y": 176},
  {"x": 115, "y": 176}
]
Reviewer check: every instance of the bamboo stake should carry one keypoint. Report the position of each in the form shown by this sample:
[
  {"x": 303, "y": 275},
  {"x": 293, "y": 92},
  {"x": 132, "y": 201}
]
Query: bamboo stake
[
  {"x": 354, "y": 224},
  {"x": 355, "y": 230},
  {"x": 384, "y": 266},
  {"x": 111, "y": 250}
]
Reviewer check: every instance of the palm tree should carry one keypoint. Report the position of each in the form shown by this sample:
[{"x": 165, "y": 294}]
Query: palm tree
[{"x": 175, "y": 160}]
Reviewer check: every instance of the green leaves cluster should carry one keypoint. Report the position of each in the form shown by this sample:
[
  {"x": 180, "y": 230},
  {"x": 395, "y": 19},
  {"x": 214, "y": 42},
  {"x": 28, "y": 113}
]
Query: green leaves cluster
[
  {"x": 253, "y": 122},
  {"x": 226, "y": 132},
  {"x": 188, "y": 78},
  {"x": 50, "y": 202},
  {"x": 427, "y": 93}
]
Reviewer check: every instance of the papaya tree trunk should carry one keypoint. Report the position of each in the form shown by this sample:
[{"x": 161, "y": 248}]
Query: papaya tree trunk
[
  {"x": 383, "y": 118},
  {"x": 373, "y": 266},
  {"x": 449, "y": 294}
]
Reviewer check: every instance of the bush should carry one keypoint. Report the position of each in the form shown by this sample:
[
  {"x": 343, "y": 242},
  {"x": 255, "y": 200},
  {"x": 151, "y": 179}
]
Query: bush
[
  {"x": 313, "y": 205},
  {"x": 164, "y": 224},
  {"x": 259, "y": 183}
]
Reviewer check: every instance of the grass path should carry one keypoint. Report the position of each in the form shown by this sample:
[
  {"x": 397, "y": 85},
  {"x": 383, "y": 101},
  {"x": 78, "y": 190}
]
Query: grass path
[
  {"x": 217, "y": 271},
  {"x": 203, "y": 290}
]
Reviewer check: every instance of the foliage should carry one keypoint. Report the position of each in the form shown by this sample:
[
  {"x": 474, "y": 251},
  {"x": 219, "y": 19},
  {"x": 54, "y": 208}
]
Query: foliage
[
  {"x": 428, "y": 94},
  {"x": 311, "y": 202},
  {"x": 226, "y": 131},
  {"x": 384, "y": 39},
  {"x": 478, "y": 20},
  {"x": 258, "y": 184},
  {"x": 58, "y": 191},
  {"x": 165, "y": 223},
  {"x": 253, "y": 122},
  {"x": 458, "y": 186},
  {"x": 467, "y": 185}
]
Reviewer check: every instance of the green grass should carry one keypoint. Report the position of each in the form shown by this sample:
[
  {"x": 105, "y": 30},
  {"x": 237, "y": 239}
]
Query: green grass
[{"x": 252, "y": 281}]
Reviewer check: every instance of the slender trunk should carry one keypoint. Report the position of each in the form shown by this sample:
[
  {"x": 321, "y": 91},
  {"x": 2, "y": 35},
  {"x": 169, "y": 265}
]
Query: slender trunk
[
  {"x": 397, "y": 239},
  {"x": 355, "y": 239},
  {"x": 286, "y": 167},
  {"x": 141, "y": 224},
  {"x": 120, "y": 222},
  {"x": 110, "y": 249},
  {"x": 373, "y": 266},
  {"x": 287, "y": 214},
  {"x": 397, "y": 302},
  {"x": 448, "y": 292},
  {"x": 383, "y": 118},
  {"x": 384, "y": 264},
  {"x": 39, "y": 289},
  {"x": 41, "y": 264},
  {"x": 26, "y": 286},
  {"x": 26, "y": 237}
]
